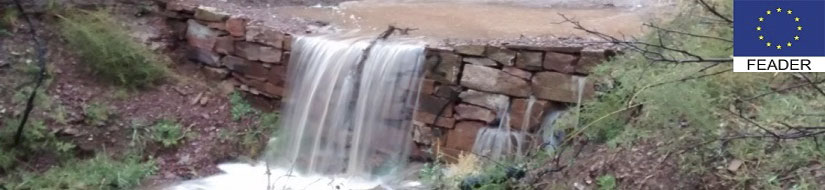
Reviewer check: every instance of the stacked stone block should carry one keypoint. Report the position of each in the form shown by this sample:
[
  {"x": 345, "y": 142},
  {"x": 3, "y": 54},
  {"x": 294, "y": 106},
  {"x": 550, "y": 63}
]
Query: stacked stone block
[
  {"x": 466, "y": 85},
  {"x": 460, "y": 94},
  {"x": 229, "y": 46}
]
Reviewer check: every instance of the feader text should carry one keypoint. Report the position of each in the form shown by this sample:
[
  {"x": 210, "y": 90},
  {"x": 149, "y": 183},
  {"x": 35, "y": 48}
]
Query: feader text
[{"x": 779, "y": 64}]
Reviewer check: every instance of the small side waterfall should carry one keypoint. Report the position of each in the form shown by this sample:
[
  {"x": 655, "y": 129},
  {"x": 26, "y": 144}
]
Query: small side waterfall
[
  {"x": 346, "y": 122},
  {"x": 502, "y": 142}
]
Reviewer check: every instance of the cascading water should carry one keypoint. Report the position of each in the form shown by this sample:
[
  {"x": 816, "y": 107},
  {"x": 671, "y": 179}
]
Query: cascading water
[
  {"x": 346, "y": 119},
  {"x": 501, "y": 142}
]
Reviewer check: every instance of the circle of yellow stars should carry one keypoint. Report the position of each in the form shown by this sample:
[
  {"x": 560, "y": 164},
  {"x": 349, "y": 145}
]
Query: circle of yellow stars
[{"x": 779, "y": 11}]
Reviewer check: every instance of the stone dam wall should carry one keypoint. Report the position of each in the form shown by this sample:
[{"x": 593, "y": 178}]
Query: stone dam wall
[{"x": 459, "y": 95}]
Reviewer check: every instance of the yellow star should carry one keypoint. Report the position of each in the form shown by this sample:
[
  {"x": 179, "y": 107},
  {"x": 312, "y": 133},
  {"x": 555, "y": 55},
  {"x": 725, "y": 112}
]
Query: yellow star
[
  {"x": 789, "y": 44},
  {"x": 778, "y": 46},
  {"x": 790, "y": 11},
  {"x": 778, "y": 10},
  {"x": 796, "y": 19},
  {"x": 768, "y": 44},
  {"x": 761, "y": 19},
  {"x": 759, "y": 28},
  {"x": 761, "y": 37},
  {"x": 769, "y": 11},
  {"x": 799, "y": 28},
  {"x": 796, "y": 38}
]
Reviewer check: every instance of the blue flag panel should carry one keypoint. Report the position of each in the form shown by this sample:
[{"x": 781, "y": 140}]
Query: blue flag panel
[{"x": 779, "y": 27}]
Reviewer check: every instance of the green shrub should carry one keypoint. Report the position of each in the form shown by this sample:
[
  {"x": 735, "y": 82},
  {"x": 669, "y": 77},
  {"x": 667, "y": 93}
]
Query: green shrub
[
  {"x": 606, "y": 182},
  {"x": 100, "y": 172},
  {"x": 109, "y": 51},
  {"x": 37, "y": 138},
  {"x": 96, "y": 114},
  {"x": 240, "y": 108},
  {"x": 168, "y": 133}
]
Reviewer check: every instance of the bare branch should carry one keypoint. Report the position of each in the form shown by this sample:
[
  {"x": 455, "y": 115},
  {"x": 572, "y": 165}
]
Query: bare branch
[
  {"x": 688, "y": 34},
  {"x": 648, "y": 50},
  {"x": 712, "y": 10}
]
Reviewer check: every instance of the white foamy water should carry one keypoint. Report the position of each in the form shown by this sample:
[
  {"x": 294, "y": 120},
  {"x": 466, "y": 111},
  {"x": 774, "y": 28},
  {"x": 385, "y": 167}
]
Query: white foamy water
[{"x": 346, "y": 122}]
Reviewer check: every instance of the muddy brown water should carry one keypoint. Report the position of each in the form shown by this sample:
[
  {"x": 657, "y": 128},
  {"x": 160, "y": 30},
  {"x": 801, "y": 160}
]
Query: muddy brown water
[{"x": 472, "y": 20}]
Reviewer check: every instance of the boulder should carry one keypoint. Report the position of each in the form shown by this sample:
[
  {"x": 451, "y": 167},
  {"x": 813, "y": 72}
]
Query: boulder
[
  {"x": 500, "y": 55},
  {"x": 561, "y": 87},
  {"x": 487, "y": 100},
  {"x": 480, "y": 61},
  {"x": 560, "y": 62},
  {"x": 493, "y": 80},
  {"x": 529, "y": 60},
  {"x": 200, "y": 36},
  {"x": 471, "y": 112}
]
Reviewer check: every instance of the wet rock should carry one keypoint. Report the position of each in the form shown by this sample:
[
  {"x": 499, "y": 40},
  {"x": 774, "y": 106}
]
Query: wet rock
[
  {"x": 200, "y": 36},
  {"x": 448, "y": 92},
  {"x": 432, "y": 104},
  {"x": 560, "y": 62},
  {"x": 493, "y": 80},
  {"x": 422, "y": 134},
  {"x": 211, "y": 14},
  {"x": 471, "y": 112},
  {"x": 529, "y": 60},
  {"x": 480, "y": 61},
  {"x": 503, "y": 56},
  {"x": 277, "y": 75},
  {"x": 427, "y": 86},
  {"x": 561, "y": 87},
  {"x": 445, "y": 67},
  {"x": 476, "y": 50},
  {"x": 463, "y": 135},
  {"x": 487, "y": 100},
  {"x": 428, "y": 118},
  {"x": 519, "y": 109},
  {"x": 236, "y": 26},
  {"x": 518, "y": 72}
]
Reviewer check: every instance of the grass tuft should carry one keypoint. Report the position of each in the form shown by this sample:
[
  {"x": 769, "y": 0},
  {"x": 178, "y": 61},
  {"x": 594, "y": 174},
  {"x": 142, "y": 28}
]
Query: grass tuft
[
  {"x": 168, "y": 133},
  {"x": 101, "y": 172},
  {"x": 109, "y": 51}
]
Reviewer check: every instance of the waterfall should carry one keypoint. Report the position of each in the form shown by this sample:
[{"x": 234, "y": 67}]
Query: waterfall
[
  {"x": 500, "y": 141},
  {"x": 346, "y": 121}
]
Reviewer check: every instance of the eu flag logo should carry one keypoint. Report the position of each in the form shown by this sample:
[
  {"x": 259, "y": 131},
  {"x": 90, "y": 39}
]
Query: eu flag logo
[{"x": 779, "y": 28}]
